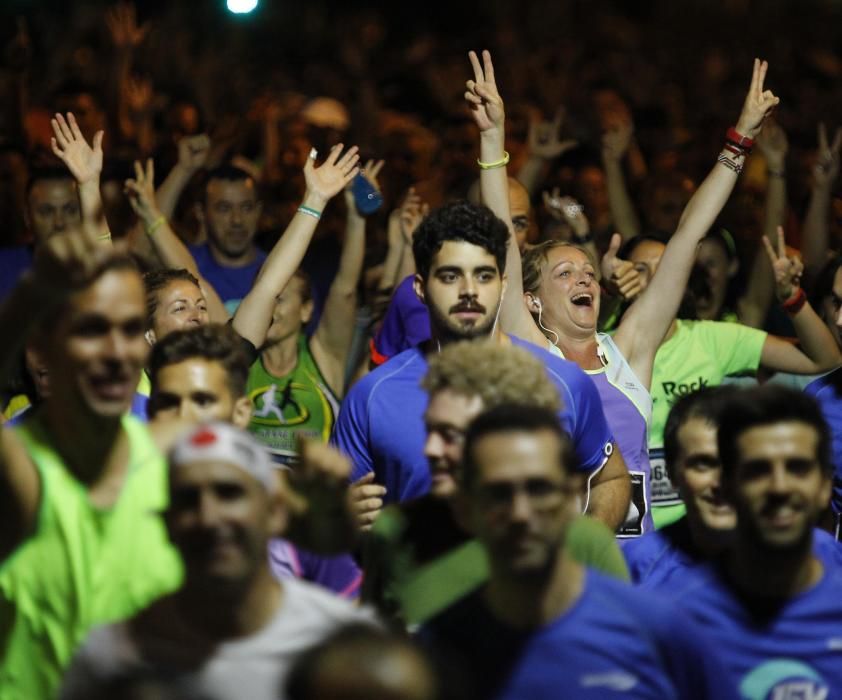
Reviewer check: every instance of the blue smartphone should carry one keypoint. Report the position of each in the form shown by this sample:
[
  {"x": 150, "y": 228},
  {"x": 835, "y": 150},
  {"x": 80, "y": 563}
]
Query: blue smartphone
[{"x": 367, "y": 199}]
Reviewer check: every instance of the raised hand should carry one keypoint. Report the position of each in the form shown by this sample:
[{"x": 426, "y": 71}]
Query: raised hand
[
  {"x": 787, "y": 269},
  {"x": 482, "y": 96},
  {"x": 826, "y": 169},
  {"x": 568, "y": 210},
  {"x": 412, "y": 212},
  {"x": 121, "y": 21},
  {"x": 84, "y": 162},
  {"x": 141, "y": 192},
  {"x": 544, "y": 141},
  {"x": 773, "y": 144},
  {"x": 193, "y": 151},
  {"x": 618, "y": 275},
  {"x": 332, "y": 176},
  {"x": 67, "y": 262},
  {"x": 138, "y": 95},
  {"x": 617, "y": 140},
  {"x": 758, "y": 104}
]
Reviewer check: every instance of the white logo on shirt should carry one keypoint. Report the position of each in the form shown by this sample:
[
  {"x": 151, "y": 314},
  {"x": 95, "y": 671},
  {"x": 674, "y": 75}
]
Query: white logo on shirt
[
  {"x": 615, "y": 680},
  {"x": 834, "y": 643}
]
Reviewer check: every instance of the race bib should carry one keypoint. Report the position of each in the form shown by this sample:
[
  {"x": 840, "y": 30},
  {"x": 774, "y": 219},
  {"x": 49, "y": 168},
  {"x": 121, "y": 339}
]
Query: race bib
[{"x": 663, "y": 492}]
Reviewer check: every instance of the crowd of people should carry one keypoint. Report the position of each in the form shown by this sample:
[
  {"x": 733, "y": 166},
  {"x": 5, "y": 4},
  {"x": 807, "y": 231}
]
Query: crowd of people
[{"x": 473, "y": 411}]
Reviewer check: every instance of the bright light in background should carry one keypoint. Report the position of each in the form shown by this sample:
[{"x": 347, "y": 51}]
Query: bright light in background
[{"x": 241, "y": 7}]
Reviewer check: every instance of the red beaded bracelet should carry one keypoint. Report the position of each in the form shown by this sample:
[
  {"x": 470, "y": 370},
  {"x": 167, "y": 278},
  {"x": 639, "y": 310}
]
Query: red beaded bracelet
[{"x": 795, "y": 303}]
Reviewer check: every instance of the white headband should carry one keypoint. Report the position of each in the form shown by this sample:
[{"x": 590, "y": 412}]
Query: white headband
[{"x": 225, "y": 443}]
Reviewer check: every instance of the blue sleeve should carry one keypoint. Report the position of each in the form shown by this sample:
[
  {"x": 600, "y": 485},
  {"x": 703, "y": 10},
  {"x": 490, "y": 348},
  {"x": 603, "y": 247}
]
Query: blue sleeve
[
  {"x": 339, "y": 574},
  {"x": 589, "y": 430},
  {"x": 691, "y": 659},
  {"x": 350, "y": 433}
]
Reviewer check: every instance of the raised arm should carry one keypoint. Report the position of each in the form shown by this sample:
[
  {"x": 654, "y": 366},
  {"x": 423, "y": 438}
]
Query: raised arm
[
  {"x": 332, "y": 339},
  {"x": 821, "y": 352},
  {"x": 85, "y": 164},
  {"x": 615, "y": 145},
  {"x": 543, "y": 146},
  {"x": 754, "y": 304},
  {"x": 489, "y": 114},
  {"x": 163, "y": 240},
  {"x": 648, "y": 319},
  {"x": 816, "y": 223},
  {"x": 192, "y": 155},
  {"x": 254, "y": 315}
]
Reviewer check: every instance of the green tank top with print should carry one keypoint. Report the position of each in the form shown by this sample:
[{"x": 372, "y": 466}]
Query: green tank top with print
[
  {"x": 83, "y": 565},
  {"x": 299, "y": 403}
]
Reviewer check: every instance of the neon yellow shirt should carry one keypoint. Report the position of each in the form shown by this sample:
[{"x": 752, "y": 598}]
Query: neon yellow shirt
[{"x": 83, "y": 565}]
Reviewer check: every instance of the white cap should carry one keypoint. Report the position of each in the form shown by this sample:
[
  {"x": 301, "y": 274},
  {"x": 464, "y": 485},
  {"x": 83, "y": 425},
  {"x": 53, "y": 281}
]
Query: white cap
[{"x": 223, "y": 442}]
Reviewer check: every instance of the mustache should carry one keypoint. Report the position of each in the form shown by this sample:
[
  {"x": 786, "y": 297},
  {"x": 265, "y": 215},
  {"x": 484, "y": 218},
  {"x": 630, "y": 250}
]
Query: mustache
[{"x": 467, "y": 306}]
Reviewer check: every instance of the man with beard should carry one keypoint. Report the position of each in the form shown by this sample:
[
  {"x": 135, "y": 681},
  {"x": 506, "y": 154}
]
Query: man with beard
[
  {"x": 230, "y": 260},
  {"x": 460, "y": 255},
  {"x": 771, "y": 604},
  {"x": 419, "y": 559},
  {"x": 232, "y": 630}
]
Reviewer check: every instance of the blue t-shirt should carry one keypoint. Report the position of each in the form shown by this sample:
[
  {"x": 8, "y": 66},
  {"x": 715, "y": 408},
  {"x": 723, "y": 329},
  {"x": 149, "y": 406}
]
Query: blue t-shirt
[
  {"x": 615, "y": 641},
  {"x": 381, "y": 422},
  {"x": 231, "y": 283},
  {"x": 667, "y": 557},
  {"x": 405, "y": 325},
  {"x": 13, "y": 263},
  {"x": 788, "y": 651},
  {"x": 827, "y": 390}
]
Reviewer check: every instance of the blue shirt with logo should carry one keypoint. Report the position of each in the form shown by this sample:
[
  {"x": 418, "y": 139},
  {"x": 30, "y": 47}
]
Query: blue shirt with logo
[
  {"x": 827, "y": 390},
  {"x": 773, "y": 650}
]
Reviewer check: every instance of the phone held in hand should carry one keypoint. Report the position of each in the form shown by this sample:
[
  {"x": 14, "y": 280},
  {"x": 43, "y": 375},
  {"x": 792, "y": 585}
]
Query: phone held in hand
[{"x": 367, "y": 199}]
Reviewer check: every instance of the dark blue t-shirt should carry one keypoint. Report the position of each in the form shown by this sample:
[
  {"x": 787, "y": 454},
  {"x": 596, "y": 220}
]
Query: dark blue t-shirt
[
  {"x": 787, "y": 650},
  {"x": 381, "y": 422},
  {"x": 667, "y": 557},
  {"x": 13, "y": 263},
  {"x": 231, "y": 283},
  {"x": 827, "y": 390},
  {"x": 615, "y": 641}
]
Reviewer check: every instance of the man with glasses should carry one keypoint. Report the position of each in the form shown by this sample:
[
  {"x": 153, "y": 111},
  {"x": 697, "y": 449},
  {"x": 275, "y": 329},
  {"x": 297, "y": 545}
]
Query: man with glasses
[{"x": 550, "y": 627}]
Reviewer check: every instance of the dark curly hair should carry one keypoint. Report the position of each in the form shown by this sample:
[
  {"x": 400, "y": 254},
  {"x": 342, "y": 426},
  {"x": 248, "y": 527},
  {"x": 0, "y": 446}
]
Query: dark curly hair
[
  {"x": 459, "y": 221},
  {"x": 214, "y": 342}
]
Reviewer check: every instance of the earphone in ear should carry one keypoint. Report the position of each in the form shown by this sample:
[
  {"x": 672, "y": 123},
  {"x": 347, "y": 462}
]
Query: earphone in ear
[{"x": 540, "y": 307}]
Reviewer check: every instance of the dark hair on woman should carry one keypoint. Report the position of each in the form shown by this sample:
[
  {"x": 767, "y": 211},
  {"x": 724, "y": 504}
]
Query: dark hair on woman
[
  {"x": 459, "y": 221},
  {"x": 156, "y": 280},
  {"x": 823, "y": 286}
]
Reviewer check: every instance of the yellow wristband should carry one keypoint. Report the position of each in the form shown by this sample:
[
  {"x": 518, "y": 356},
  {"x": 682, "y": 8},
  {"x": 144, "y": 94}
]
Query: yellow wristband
[
  {"x": 496, "y": 164},
  {"x": 155, "y": 225}
]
